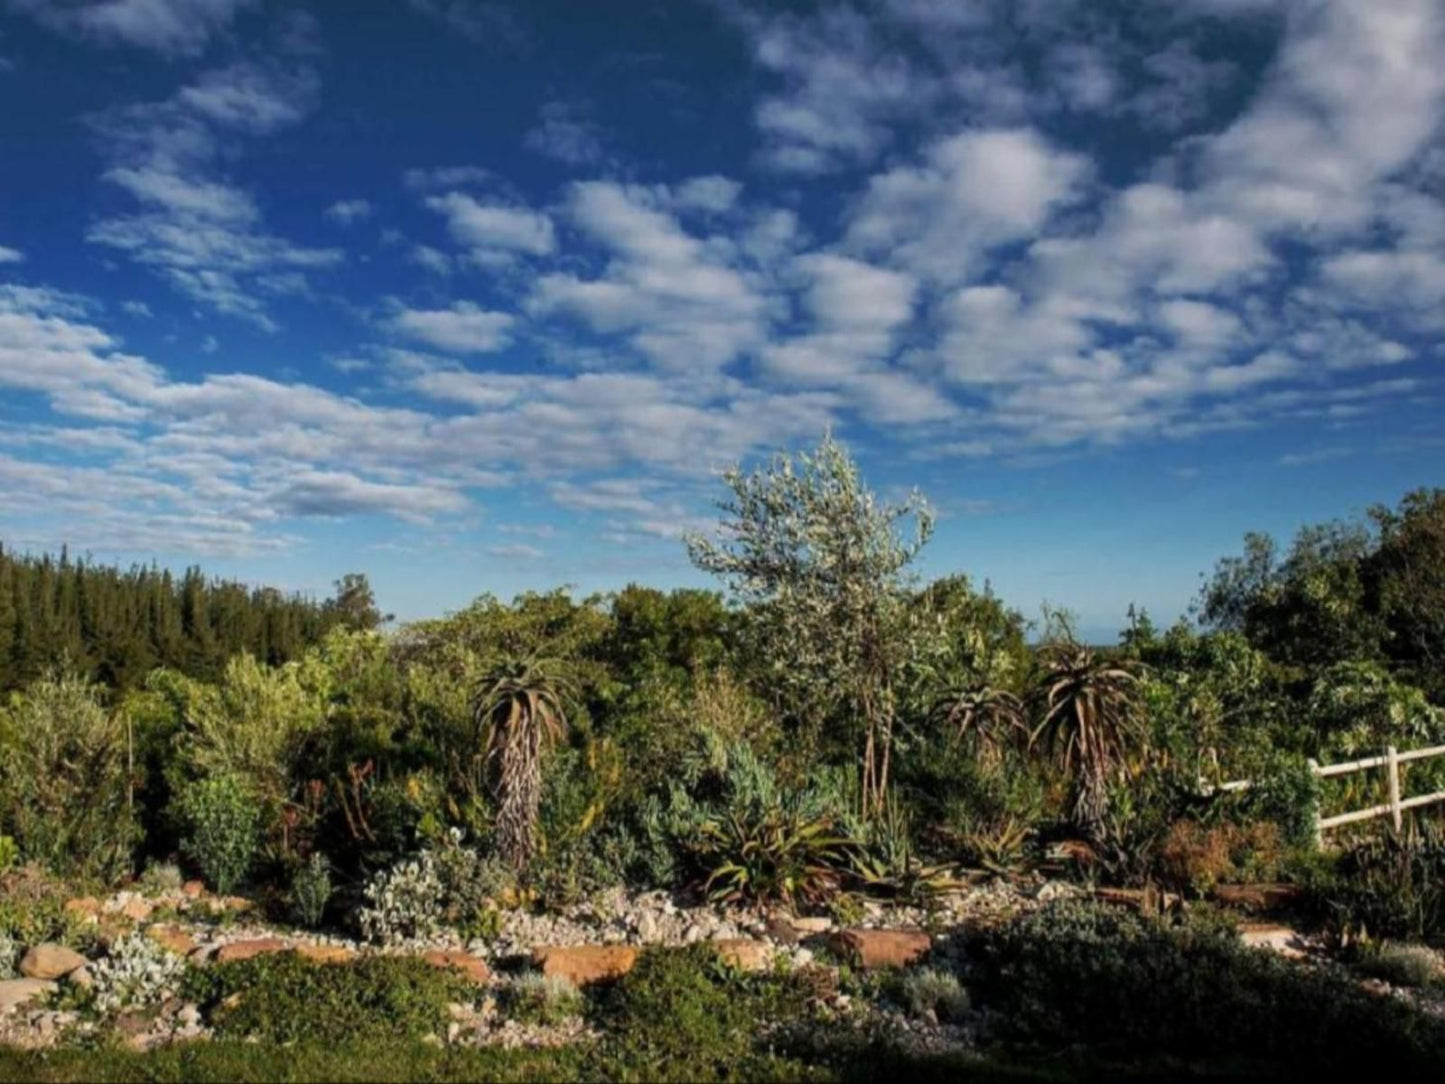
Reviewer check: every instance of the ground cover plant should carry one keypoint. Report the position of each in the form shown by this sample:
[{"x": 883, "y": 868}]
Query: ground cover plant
[{"x": 827, "y": 740}]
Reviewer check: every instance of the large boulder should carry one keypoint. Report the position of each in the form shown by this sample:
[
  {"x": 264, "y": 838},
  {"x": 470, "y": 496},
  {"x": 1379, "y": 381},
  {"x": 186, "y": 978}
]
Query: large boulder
[
  {"x": 874, "y": 950},
  {"x": 584, "y": 964},
  {"x": 50, "y": 961},
  {"x": 465, "y": 963},
  {"x": 17, "y": 992},
  {"x": 245, "y": 950}
]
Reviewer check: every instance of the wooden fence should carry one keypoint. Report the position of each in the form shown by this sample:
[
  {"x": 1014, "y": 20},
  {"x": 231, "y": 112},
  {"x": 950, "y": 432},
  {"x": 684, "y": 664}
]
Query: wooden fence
[{"x": 1394, "y": 808}]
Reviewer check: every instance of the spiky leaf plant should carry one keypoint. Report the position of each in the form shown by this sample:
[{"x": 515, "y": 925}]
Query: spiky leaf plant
[
  {"x": 520, "y": 707},
  {"x": 1089, "y": 720}
]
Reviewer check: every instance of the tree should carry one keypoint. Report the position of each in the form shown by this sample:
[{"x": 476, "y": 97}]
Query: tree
[
  {"x": 355, "y": 603},
  {"x": 1089, "y": 721},
  {"x": 820, "y": 565},
  {"x": 519, "y": 706},
  {"x": 1408, "y": 571}
]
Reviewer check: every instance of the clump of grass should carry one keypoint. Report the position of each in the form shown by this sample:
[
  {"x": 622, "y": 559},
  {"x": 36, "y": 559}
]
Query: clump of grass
[
  {"x": 543, "y": 999},
  {"x": 1403, "y": 965},
  {"x": 930, "y": 990}
]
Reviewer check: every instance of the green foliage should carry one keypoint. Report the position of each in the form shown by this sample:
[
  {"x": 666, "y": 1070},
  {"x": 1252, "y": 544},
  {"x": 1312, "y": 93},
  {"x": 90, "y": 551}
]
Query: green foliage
[
  {"x": 32, "y": 908},
  {"x": 222, "y": 825},
  {"x": 311, "y": 890},
  {"x": 543, "y": 999},
  {"x": 1072, "y": 973},
  {"x": 284, "y": 998},
  {"x": 820, "y": 566},
  {"x": 1402, "y": 965},
  {"x": 1387, "y": 885},
  {"x": 65, "y": 792},
  {"x": 681, "y": 1014},
  {"x": 405, "y": 903},
  {"x": 777, "y": 854},
  {"x": 9, "y": 853},
  {"x": 930, "y": 992}
]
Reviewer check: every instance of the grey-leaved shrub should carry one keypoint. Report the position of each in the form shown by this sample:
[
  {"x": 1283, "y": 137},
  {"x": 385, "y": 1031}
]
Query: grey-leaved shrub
[
  {"x": 311, "y": 890},
  {"x": 404, "y": 903},
  {"x": 931, "y": 990},
  {"x": 222, "y": 827},
  {"x": 137, "y": 972}
]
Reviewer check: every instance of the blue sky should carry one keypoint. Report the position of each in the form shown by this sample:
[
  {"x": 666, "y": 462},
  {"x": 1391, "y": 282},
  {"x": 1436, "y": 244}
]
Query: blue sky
[{"x": 480, "y": 296}]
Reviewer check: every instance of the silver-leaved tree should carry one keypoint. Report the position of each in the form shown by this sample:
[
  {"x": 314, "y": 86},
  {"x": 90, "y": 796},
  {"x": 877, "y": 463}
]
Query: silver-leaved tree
[{"x": 821, "y": 568}]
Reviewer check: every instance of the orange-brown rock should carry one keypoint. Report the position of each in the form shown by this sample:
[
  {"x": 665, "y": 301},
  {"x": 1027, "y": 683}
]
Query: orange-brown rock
[
  {"x": 873, "y": 950},
  {"x": 584, "y": 964},
  {"x": 468, "y": 965},
  {"x": 83, "y": 909},
  {"x": 194, "y": 889},
  {"x": 1259, "y": 897},
  {"x": 744, "y": 954},
  {"x": 173, "y": 938},
  {"x": 326, "y": 954},
  {"x": 138, "y": 908},
  {"x": 50, "y": 961},
  {"x": 245, "y": 950}
]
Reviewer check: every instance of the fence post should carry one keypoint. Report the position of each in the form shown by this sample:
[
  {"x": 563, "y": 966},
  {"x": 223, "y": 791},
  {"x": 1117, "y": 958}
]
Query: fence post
[
  {"x": 1319, "y": 832},
  {"x": 1392, "y": 765}
]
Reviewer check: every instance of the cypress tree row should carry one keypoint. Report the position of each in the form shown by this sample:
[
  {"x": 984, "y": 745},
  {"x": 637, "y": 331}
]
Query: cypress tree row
[{"x": 115, "y": 625}]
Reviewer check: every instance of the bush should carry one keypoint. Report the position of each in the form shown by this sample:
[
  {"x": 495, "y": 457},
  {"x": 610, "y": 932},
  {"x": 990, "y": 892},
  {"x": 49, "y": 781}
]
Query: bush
[
  {"x": 404, "y": 903},
  {"x": 1073, "y": 973},
  {"x": 311, "y": 890},
  {"x": 136, "y": 973},
  {"x": 1387, "y": 885},
  {"x": 543, "y": 999},
  {"x": 9, "y": 956},
  {"x": 680, "y": 1014},
  {"x": 1195, "y": 858},
  {"x": 64, "y": 791},
  {"x": 284, "y": 998},
  {"x": 1402, "y": 965},
  {"x": 160, "y": 877},
  {"x": 222, "y": 829},
  {"x": 32, "y": 908},
  {"x": 929, "y": 991}
]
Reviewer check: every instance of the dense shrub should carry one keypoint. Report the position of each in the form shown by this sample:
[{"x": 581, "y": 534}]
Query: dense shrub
[
  {"x": 311, "y": 890},
  {"x": 1387, "y": 885},
  {"x": 65, "y": 795},
  {"x": 137, "y": 972},
  {"x": 543, "y": 999},
  {"x": 1073, "y": 973},
  {"x": 681, "y": 1014},
  {"x": 1194, "y": 858},
  {"x": 1402, "y": 965},
  {"x": 404, "y": 903},
  {"x": 284, "y": 998},
  {"x": 222, "y": 825}
]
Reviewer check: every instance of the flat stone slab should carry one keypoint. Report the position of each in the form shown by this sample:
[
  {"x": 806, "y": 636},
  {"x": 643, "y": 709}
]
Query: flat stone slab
[
  {"x": 326, "y": 954},
  {"x": 245, "y": 950},
  {"x": 744, "y": 954},
  {"x": 582, "y": 965},
  {"x": 876, "y": 950},
  {"x": 17, "y": 992},
  {"x": 1280, "y": 939},
  {"x": 173, "y": 938}
]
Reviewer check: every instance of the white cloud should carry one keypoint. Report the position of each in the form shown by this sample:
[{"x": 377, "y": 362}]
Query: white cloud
[
  {"x": 462, "y": 329},
  {"x": 973, "y": 192},
  {"x": 172, "y": 27},
  {"x": 563, "y": 133},
  {"x": 348, "y": 211},
  {"x": 494, "y": 230}
]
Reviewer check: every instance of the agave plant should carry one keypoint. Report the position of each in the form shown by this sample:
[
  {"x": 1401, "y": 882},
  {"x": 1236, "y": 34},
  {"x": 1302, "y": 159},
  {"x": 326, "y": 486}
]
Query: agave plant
[
  {"x": 1090, "y": 722},
  {"x": 985, "y": 714},
  {"x": 773, "y": 855},
  {"x": 519, "y": 706}
]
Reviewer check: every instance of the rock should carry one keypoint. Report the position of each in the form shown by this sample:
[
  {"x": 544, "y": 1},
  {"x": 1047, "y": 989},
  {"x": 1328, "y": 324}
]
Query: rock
[
  {"x": 50, "y": 961},
  {"x": 647, "y": 930},
  {"x": 326, "y": 954},
  {"x": 17, "y": 992},
  {"x": 468, "y": 965},
  {"x": 812, "y": 924},
  {"x": 81, "y": 978},
  {"x": 781, "y": 930},
  {"x": 584, "y": 964},
  {"x": 244, "y": 950},
  {"x": 137, "y": 908},
  {"x": 873, "y": 950},
  {"x": 83, "y": 909},
  {"x": 236, "y": 904},
  {"x": 1281, "y": 939},
  {"x": 743, "y": 954},
  {"x": 173, "y": 938},
  {"x": 193, "y": 889}
]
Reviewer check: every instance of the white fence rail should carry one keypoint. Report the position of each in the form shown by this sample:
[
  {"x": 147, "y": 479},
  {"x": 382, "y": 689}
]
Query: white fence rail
[{"x": 1395, "y": 808}]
